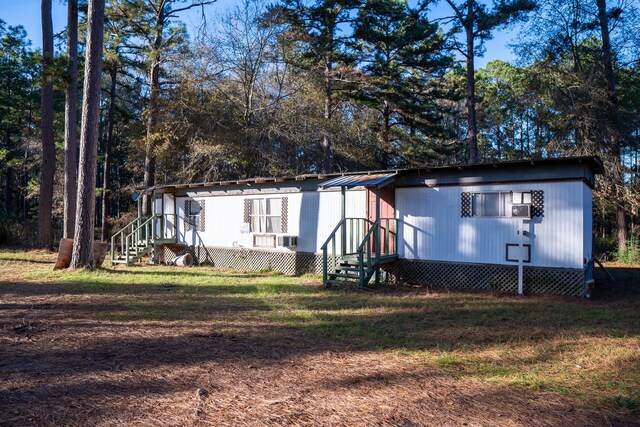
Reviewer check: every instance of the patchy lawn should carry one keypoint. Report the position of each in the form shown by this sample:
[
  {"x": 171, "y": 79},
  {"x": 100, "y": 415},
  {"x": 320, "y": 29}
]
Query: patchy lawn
[{"x": 134, "y": 346}]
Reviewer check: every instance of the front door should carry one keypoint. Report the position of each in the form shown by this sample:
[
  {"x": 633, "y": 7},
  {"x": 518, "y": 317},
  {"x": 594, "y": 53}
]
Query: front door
[
  {"x": 387, "y": 210},
  {"x": 164, "y": 216}
]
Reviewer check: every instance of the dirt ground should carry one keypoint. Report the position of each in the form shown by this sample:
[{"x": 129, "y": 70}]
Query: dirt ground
[{"x": 72, "y": 357}]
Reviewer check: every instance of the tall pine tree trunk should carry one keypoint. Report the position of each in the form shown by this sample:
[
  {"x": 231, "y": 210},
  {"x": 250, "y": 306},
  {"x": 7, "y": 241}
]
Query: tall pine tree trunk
[
  {"x": 327, "y": 166},
  {"x": 70, "y": 123},
  {"x": 149, "y": 179},
  {"x": 106, "y": 182},
  {"x": 386, "y": 134},
  {"x": 614, "y": 125},
  {"x": 472, "y": 123},
  {"x": 150, "y": 156},
  {"x": 45, "y": 200},
  {"x": 89, "y": 134}
]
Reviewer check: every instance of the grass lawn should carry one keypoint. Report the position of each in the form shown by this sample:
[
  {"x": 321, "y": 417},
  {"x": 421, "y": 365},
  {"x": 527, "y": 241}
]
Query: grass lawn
[{"x": 122, "y": 346}]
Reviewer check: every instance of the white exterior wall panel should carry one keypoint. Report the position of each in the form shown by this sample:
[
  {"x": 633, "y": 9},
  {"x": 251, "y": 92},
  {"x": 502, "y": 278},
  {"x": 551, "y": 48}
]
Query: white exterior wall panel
[
  {"x": 587, "y": 199},
  {"x": 311, "y": 216},
  {"x": 431, "y": 226}
]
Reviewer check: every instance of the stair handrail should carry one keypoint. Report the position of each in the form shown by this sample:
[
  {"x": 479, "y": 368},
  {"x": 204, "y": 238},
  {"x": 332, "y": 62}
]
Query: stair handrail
[
  {"x": 332, "y": 234},
  {"x": 134, "y": 237},
  {"x": 388, "y": 236},
  {"x": 140, "y": 227},
  {"x": 366, "y": 245},
  {"x": 121, "y": 233},
  {"x": 325, "y": 246}
]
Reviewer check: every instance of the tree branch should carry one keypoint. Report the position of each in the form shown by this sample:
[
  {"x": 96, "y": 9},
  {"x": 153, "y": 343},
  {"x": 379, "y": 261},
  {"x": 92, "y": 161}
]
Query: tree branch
[{"x": 172, "y": 13}]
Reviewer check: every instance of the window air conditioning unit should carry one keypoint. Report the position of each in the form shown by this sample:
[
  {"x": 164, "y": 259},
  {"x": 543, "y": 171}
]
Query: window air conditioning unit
[
  {"x": 287, "y": 241},
  {"x": 522, "y": 210}
]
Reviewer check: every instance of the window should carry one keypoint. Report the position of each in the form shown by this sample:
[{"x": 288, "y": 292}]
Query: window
[
  {"x": 490, "y": 204},
  {"x": 194, "y": 215},
  {"x": 521, "y": 197},
  {"x": 265, "y": 215},
  {"x": 499, "y": 203},
  {"x": 264, "y": 240}
]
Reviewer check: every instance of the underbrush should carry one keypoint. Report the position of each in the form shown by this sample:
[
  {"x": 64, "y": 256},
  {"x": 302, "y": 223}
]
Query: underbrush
[{"x": 631, "y": 254}]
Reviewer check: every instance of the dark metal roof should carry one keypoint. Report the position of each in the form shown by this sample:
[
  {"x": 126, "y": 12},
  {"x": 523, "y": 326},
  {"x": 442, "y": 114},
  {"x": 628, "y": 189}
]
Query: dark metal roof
[
  {"x": 366, "y": 180},
  {"x": 594, "y": 163}
]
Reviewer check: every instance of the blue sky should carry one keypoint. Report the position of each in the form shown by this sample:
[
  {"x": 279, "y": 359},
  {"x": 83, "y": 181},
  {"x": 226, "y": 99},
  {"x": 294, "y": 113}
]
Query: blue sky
[{"x": 27, "y": 14}]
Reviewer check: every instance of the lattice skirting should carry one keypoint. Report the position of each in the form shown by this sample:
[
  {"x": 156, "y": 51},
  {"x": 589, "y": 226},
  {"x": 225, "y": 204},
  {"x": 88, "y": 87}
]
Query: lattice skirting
[
  {"x": 537, "y": 280},
  {"x": 293, "y": 263}
]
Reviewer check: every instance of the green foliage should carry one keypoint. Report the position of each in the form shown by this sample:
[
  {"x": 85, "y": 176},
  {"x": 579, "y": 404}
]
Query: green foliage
[
  {"x": 315, "y": 27},
  {"x": 626, "y": 402},
  {"x": 605, "y": 247},
  {"x": 19, "y": 105},
  {"x": 631, "y": 253},
  {"x": 254, "y": 94},
  {"x": 401, "y": 55}
]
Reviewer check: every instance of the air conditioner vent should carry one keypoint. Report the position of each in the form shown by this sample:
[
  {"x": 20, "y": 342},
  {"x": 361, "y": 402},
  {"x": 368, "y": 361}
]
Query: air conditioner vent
[
  {"x": 287, "y": 241},
  {"x": 522, "y": 210}
]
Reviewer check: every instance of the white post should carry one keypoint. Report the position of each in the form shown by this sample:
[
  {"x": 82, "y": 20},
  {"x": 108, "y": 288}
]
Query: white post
[{"x": 520, "y": 256}]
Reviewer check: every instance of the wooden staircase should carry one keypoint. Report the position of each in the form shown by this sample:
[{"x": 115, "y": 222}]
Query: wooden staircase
[
  {"x": 133, "y": 242},
  {"x": 346, "y": 273},
  {"x": 135, "y": 254},
  {"x": 356, "y": 249}
]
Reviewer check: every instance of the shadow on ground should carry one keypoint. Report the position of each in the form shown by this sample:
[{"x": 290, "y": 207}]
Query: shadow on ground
[{"x": 101, "y": 339}]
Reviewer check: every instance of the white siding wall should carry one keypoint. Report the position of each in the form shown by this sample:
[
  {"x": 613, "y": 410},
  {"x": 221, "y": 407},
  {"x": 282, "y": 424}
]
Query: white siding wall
[
  {"x": 224, "y": 218},
  {"x": 169, "y": 210},
  {"x": 587, "y": 199},
  {"x": 431, "y": 227}
]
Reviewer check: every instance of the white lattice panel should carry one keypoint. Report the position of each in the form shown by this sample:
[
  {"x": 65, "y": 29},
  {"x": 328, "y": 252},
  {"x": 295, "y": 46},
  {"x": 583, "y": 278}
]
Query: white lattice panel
[
  {"x": 293, "y": 263},
  {"x": 537, "y": 280}
]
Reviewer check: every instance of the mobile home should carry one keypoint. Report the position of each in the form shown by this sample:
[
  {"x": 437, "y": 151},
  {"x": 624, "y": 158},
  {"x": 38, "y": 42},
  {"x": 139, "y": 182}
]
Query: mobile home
[{"x": 485, "y": 226}]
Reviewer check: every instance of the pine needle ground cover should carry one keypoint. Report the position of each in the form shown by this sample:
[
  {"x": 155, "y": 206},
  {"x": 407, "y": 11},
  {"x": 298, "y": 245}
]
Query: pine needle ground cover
[{"x": 157, "y": 345}]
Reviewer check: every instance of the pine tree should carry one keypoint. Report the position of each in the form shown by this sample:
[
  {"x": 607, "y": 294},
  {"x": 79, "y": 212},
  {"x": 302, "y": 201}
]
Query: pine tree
[
  {"x": 152, "y": 21},
  {"x": 614, "y": 123},
  {"x": 85, "y": 214},
  {"x": 316, "y": 28},
  {"x": 45, "y": 200},
  {"x": 117, "y": 57},
  {"x": 17, "y": 98},
  {"x": 400, "y": 52},
  {"x": 70, "y": 122},
  {"x": 478, "y": 22}
]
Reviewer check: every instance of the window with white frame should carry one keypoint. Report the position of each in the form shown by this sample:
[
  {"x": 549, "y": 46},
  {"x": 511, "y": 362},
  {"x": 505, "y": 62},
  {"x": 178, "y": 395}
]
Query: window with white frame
[
  {"x": 521, "y": 197},
  {"x": 265, "y": 215},
  {"x": 194, "y": 215},
  {"x": 500, "y": 203}
]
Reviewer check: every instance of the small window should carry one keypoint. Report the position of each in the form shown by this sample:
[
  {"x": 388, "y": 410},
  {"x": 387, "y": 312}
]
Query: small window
[
  {"x": 265, "y": 215},
  {"x": 194, "y": 215},
  {"x": 519, "y": 198},
  {"x": 264, "y": 240}
]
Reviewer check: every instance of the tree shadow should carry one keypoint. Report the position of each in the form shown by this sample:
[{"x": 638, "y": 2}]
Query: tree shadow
[
  {"x": 26, "y": 260},
  {"x": 97, "y": 329},
  {"x": 625, "y": 287}
]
